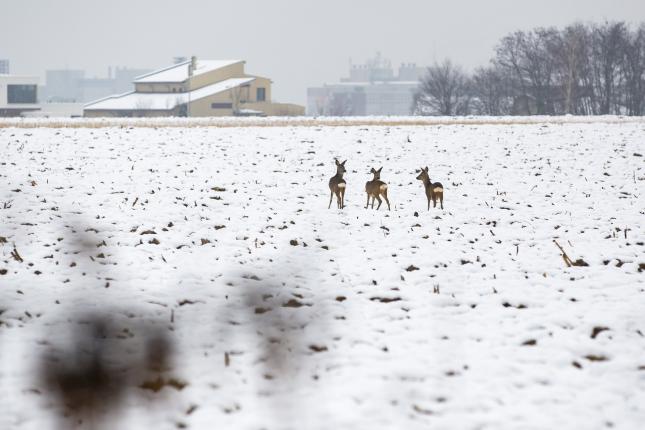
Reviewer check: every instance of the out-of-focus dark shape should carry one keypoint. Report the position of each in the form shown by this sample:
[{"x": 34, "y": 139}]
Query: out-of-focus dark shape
[
  {"x": 158, "y": 351},
  {"x": 91, "y": 372},
  {"x": 82, "y": 377}
]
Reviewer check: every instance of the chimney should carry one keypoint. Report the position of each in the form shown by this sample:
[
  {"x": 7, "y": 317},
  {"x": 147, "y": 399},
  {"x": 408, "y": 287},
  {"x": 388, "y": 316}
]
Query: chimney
[{"x": 193, "y": 66}]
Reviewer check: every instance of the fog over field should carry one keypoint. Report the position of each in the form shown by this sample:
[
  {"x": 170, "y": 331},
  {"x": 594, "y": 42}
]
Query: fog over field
[{"x": 298, "y": 44}]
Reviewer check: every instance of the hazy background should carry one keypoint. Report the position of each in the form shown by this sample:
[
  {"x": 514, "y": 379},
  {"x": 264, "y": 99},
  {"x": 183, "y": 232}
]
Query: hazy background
[{"x": 295, "y": 43}]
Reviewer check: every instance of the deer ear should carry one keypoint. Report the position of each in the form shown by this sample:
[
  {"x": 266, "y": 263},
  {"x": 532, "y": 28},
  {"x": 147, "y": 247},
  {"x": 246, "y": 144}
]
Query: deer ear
[
  {"x": 380, "y": 168},
  {"x": 343, "y": 163},
  {"x": 372, "y": 170},
  {"x": 336, "y": 160},
  {"x": 426, "y": 169}
]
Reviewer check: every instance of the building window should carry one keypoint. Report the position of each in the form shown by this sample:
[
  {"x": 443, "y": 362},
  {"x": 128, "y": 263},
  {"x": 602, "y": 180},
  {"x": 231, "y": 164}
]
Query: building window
[
  {"x": 261, "y": 94},
  {"x": 21, "y": 93},
  {"x": 222, "y": 105}
]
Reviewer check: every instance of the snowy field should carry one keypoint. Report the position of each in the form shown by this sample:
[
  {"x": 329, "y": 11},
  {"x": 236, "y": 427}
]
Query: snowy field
[{"x": 278, "y": 313}]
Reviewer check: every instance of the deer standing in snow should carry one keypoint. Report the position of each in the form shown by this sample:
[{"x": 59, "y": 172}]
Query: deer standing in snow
[
  {"x": 337, "y": 185},
  {"x": 433, "y": 191},
  {"x": 376, "y": 188}
]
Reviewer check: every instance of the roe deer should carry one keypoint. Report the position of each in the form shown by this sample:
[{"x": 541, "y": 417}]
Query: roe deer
[
  {"x": 376, "y": 187},
  {"x": 337, "y": 185},
  {"x": 433, "y": 191}
]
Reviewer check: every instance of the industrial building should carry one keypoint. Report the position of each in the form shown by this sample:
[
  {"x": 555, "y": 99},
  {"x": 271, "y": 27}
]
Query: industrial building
[
  {"x": 4, "y": 66},
  {"x": 371, "y": 89},
  {"x": 72, "y": 86}
]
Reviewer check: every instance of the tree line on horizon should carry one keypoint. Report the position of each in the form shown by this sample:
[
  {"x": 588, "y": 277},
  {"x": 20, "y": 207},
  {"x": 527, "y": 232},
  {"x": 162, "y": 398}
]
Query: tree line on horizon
[{"x": 582, "y": 69}]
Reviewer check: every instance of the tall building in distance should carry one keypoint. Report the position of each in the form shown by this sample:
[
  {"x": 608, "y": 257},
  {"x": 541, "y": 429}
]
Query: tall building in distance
[
  {"x": 4, "y": 66},
  {"x": 372, "y": 88}
]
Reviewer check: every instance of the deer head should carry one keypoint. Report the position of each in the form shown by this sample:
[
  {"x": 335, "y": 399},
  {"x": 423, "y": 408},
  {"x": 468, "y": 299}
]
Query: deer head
[
  {"x": 376, "y": 173},
  {"x": 423, "y": 176},
  {"x": 340, "y": 167}
]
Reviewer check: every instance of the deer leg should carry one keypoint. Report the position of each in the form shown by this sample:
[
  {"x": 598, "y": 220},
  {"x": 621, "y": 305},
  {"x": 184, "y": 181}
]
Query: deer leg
[
  {"x": 338, "y": 201},
  {"x": 386, "y": 200},
  {"x": 331, "y": 197},
  {"x": 428, "y": 203},
  {"x": 342, "y": 198},
  {"x": 441, "y": 199},
  {"x": 368, "y": 201},
  {"x": 379, "y": 201}
]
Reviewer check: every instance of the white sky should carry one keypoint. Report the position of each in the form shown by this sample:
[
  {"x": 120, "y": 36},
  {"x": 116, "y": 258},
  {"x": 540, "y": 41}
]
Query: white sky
[{"x": 298, "y": 43}]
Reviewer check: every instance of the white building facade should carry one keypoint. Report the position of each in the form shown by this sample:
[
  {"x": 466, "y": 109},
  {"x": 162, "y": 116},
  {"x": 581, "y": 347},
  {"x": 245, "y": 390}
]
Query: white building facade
[{"x": 18, "y": 94}]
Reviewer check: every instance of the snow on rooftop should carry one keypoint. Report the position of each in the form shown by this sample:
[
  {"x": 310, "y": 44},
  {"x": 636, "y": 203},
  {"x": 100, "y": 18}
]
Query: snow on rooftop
[
  {"x": 163, "y": 101},
  {"x": 179, "y": 72}
]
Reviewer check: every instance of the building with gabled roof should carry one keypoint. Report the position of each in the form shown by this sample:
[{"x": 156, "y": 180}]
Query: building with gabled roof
[{"x": 195, "y": 88}]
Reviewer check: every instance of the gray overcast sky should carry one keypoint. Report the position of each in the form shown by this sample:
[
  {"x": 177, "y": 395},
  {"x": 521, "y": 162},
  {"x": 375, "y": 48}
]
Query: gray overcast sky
[{"x": 295, "y": 43}]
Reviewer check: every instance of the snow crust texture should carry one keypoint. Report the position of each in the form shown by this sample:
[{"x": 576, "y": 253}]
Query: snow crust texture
[{"x": 274, "y": 312}]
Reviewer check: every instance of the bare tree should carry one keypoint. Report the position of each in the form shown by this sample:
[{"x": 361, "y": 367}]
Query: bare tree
[
  {"x": 608, "y": 42},
  {"x": 583, "y": 69},
  {"x": 570, "y": 49},
  {"x": 526, "y": 57},
  {"x": 509, "y": 59},
  {"x": 539, "y": 67},
  {"x": 633, "y": 72},
  {"x": 237, "y": 98},
  {"x": 491, "y": 92},
  {"x": 443, "y": 91}
]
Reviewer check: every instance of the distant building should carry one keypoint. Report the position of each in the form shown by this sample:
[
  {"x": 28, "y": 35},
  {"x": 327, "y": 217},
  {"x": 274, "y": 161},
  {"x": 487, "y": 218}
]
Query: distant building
[
  {"x": 18, "y": 94},
  {"x": 96, "y": 88},
  {"x": 63, "y": 86},
  {"x": 370, "y": 89},
  {"x": 196, "y": 88},
  {"x": 4, "y": 66},
  {"x": 123, "y": 80},
  {"x": 71, "y": 86}
]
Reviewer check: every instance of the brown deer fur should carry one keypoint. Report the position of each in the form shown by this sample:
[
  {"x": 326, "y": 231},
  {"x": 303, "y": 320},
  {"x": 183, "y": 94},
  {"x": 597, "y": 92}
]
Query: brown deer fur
[
  {"x": 376, "y": 188},
  {"x": 337, "y": 185},
  {"x": 433, "y": 191}
]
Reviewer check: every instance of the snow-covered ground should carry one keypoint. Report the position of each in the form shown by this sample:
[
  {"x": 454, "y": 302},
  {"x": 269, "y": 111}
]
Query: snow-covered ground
[{"x": 282, "y": 313}]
